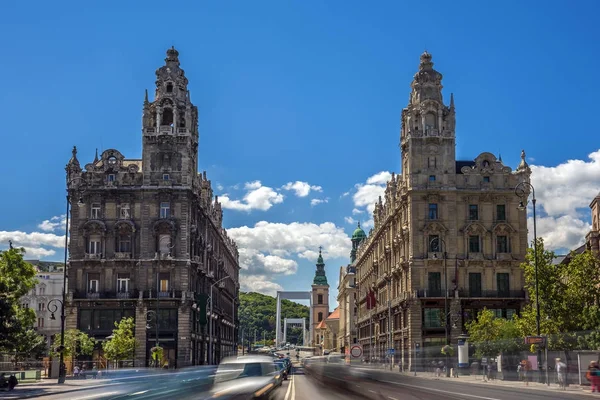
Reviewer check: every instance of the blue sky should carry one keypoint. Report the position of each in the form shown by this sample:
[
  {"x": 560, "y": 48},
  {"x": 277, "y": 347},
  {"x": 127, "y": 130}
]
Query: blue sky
[{"x": 298, "y": 91}]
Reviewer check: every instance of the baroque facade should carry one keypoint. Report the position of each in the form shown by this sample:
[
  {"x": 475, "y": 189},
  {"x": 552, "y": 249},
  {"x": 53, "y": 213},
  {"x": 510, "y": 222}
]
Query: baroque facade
[
  {"x": 147, "y": 241},
  {"x": 446, "y": 232}
]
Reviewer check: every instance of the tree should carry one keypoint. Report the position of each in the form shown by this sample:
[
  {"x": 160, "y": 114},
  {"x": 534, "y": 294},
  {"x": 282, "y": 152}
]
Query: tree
[
  {"x": 28, "y": 344},
  {"x": 76, "y": 343},
  {"x": 122, "y": 344},
  {"x": 492, "y": 335},
  {"x": 568, "y": 295},
  {"x": 17, "y": 278}
]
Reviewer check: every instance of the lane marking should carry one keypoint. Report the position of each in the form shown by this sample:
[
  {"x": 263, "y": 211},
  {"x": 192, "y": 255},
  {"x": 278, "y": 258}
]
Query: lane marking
[
  {"x": 372, "y": 391},
  {"x": 392, "y": 398},
  {"x": 136, "y": 393},
  {"x": 289, "y": 388},
  {"x": 93, "y": 396},
  {"x": 442, "y": 391},
  {"x": 293, "y": 388}
]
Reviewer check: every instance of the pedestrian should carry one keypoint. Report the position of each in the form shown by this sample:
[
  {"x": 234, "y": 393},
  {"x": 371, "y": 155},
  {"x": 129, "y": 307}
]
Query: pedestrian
[
  {"x": 561, "y": 372},
  {"x": 76, "y": 372},
  {"x": 593, "y": 375}
]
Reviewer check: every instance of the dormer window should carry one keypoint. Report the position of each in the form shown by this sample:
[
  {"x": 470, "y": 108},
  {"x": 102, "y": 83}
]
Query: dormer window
[
  {"x": 169, "y": 87},
  {"x": 112, "y": 160},
  {"x": 431, "y": 178},
  {"x": 166, "y": 177},
  {"x": 486, "y": 179},
  {"x": 111, "y": 177},
  {"x": 486, "y": 164}
]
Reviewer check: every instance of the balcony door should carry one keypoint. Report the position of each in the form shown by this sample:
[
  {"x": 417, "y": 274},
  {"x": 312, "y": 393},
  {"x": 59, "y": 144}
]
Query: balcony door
[{"x": 474, "y": 284}]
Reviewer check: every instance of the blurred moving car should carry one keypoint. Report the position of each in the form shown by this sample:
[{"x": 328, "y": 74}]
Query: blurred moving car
[
  {"x": 246, "y": 377},
  {"x": 282, "y": 365}
]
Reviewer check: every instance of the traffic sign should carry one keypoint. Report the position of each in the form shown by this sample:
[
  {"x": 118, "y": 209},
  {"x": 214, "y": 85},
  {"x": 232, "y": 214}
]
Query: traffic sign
[
  {"x": 391, "y": 352},
  {"x": 356, "y": 351},
  {"x": 541, "y": 340}
]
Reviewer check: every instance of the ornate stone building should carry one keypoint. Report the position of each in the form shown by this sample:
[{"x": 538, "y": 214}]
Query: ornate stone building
[
  {"x": 147, "y": 237},
  {"x": 320, "y": 298},
  {"x": 443, "y": 227}
]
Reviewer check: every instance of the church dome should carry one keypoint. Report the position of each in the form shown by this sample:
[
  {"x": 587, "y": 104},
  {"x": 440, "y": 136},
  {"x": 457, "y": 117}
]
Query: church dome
[{"x": 358, "y": 234}]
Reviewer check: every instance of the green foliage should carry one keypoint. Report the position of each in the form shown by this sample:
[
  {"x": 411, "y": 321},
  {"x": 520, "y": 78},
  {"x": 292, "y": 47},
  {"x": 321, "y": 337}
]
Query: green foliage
[
  {"x": 17, "y": 278},
  {"x": 568, "y": 295},
  {"x": 491, "y": 335},
  {"x": 448, "y": 350},
  {"x": 122, "y": 344},
  {"x": 257, "y": 312},
  {"x": 28, "y": 344},
  {"x": 76, "y": 343}
]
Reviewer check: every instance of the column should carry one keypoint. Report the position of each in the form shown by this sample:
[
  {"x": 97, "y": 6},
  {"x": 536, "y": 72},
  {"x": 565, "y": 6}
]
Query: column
[
  {"x": 140, "y": 336},
  {"x": 183, "y": 337}
]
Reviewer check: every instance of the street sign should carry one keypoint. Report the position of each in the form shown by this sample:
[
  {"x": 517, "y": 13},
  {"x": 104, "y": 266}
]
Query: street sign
[
  {"x": 540, "y": 340},
  {"x": 356, "y": 351},
  {"x": 391, "y": 352}
]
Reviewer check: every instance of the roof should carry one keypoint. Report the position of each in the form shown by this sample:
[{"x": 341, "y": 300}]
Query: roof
[
  {"x": 358, "y": 233},
  {"x": 335, "y": 314},
  {"x": 321, "y": 325},
  {"x": 461, "y": 164}
]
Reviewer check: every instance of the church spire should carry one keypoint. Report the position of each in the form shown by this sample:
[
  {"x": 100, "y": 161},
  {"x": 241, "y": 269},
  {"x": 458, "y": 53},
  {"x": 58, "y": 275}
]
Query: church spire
[{"x": 320, "y": 277}]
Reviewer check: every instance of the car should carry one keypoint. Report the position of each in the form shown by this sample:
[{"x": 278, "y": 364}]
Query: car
[
  {"x": 282, "y": 366},
  {"x": 246, "y": 377}
]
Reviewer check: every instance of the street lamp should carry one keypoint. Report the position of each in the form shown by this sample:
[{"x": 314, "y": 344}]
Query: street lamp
[
  {"x": 62, "y": 371},
  {"x": 522, "y": 192},
  {"x": 210, "y": 322},
  {"x": 446, "y": 314}
]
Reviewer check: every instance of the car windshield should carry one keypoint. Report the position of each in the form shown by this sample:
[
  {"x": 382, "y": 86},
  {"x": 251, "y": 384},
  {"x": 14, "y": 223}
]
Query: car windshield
[
  {"x": 280, "y": 364},
  {"x": 231, "y": 371}
]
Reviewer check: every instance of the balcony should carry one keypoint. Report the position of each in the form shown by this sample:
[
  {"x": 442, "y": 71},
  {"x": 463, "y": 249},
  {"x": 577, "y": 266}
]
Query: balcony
[
  {"x": 106, "y": 295},
  {"x": 504, "y": 256},
  {"x": 93, "y": 256},
  {"x": 92, "y": 295},
  {"x": 492, "y": 294},
  {"x": 122, "y": 255},
  {"x": 171, "y": 294},
  {"x": 166, "y": 129},
  {"x": 125, "y": 295},
  {"x": 182, "y": 130},
  {"x": 424, "y": 293}
]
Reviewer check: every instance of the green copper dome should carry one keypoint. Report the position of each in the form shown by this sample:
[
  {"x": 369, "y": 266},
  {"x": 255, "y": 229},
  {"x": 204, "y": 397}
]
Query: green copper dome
[{"x": 358, "y": 234}]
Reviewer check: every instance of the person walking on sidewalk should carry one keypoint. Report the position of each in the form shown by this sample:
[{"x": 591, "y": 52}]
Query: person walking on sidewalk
[
  {"x": 561, "y": 374},
  {"x": 593, "y": 375}
]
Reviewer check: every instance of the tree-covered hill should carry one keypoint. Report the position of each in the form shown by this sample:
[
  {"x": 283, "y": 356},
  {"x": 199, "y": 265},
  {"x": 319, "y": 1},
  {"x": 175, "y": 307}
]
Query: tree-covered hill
[{"x": 257, "y": 312}]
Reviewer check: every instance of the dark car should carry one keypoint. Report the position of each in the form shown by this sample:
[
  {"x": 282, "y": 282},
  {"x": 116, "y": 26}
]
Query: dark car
[{"x": 282, "y": 366}]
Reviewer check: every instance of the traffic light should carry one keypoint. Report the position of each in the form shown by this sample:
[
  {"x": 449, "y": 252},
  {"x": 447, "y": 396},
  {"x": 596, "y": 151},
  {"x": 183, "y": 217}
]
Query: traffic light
[{"x": 201, "y": 302}]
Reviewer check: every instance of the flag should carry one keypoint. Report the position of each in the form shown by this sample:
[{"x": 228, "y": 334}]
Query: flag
[{"x": 371, "y": 300}]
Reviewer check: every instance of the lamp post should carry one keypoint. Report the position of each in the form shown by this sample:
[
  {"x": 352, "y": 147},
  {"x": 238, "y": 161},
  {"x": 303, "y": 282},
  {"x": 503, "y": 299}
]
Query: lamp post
[
  {"x": 522, "y": 192},
  {"x": 62, "y": 372},
  {"x": 210, "y": 322},
  {"x": 446, "y": 314},
  {"x": 53, "y": 307}
]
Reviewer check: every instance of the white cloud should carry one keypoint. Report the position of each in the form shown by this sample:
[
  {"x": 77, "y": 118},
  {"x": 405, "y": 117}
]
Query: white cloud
[
  {"x": 294, "y": 239},
  {"x": 349, "y": 220},
  {"x": 368, "y": 193},
  {"x": 220, "y": 187},
  {"x": 260, "y": 284},
  {"x": 356, "y": 211},
  {"x": 368, "y": 223},
  {"x": 314, "y": 202},
  {"x": 255, "y": 262},
  {"x": 56, "y": 222},
  {"x": 345, "y": 194},
  {"x": 35, "y": 243},
  {"x": 301, "y": 189},
  {"x": 563, "y": 194},
  {"x": 257, "y": 197}
]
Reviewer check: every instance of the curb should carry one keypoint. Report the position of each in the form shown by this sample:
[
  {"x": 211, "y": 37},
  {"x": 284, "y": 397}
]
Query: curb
[{"x": 60, "y": 391}]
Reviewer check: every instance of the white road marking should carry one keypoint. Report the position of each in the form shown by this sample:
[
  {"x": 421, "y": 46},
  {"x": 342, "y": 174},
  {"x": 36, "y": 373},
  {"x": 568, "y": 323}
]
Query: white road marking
[
  {"x": 92, "y": 396},
  {"x": 136, "y": 393},
  {"x": 392, "y": 398},
  {"x": 442, "y": 391},
  {"x": 293, "y": 388},
  {"x": 372, "y": 391},
  {"x": 289, "y": 389}
]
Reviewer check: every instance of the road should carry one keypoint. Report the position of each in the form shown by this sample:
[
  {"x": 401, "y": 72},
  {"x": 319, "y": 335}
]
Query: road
[{"x": 387, "y": 386}]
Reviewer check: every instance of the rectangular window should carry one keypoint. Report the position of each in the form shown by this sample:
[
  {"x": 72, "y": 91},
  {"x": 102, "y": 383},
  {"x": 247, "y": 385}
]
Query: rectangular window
[
  {"x": 501, "y": 244},
  {"x": 111, "y": 177},
  {"x": 434, "y": 243},
  {"x": 432, "y": 318},
  {"x": 165, "y": 210},
  {"x": 473, "y": 212},
  {"x": 500, "y": 212},
  {"x": 433, "y": 211},
  {"x": 435, "y": 284},
  {"x": 40, "y": 322},
  {"x": 474, "y": 284},
  {"x": 166, "y": 177},
  {"x": 96, "y": 211},
  {"x": 123, "y": 283},
  {"x": 93, "y": 283},
  {"x": 41, "y": 306},
  {"x": 319, "y": 299},
  {"x": 431, "y": 178},
  {"x": 124, "y": 211},
  {"x": 474, "y": 244},
  {"x": 95, "y": 244},
  {"x": 42, "y": 290},
  {"x": 124, "y": 244},
  {"x": 503, "y": 284},
  {"x": 164, "y": 281},
  {"x": 486, "y": 179}
]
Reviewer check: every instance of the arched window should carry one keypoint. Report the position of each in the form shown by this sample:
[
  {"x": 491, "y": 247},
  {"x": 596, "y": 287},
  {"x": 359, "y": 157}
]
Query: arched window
[
  {"x": 167, "y": 117},
  {"x": 430, "y": 122},
  {"x": 320, "y": 317},
  {"x": 169, "y": 87},
  {"x": 319, "y": 299},
  {"x": 181, "y": 120}
]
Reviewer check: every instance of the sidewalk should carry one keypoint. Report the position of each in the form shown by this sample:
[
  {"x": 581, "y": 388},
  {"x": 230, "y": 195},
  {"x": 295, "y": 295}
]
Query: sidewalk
[
  {"x": 48, "y": 387},
  {"x": 478, "y": 380}
]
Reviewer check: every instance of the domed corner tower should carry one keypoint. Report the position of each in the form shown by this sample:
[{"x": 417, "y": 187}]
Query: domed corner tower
[{"x": 320, "y": 297}]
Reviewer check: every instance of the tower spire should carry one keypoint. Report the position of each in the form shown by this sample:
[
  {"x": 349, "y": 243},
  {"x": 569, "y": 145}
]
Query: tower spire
[
  {"x": 96, "y": 156},
  {"x": 320, "y": 277}
]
